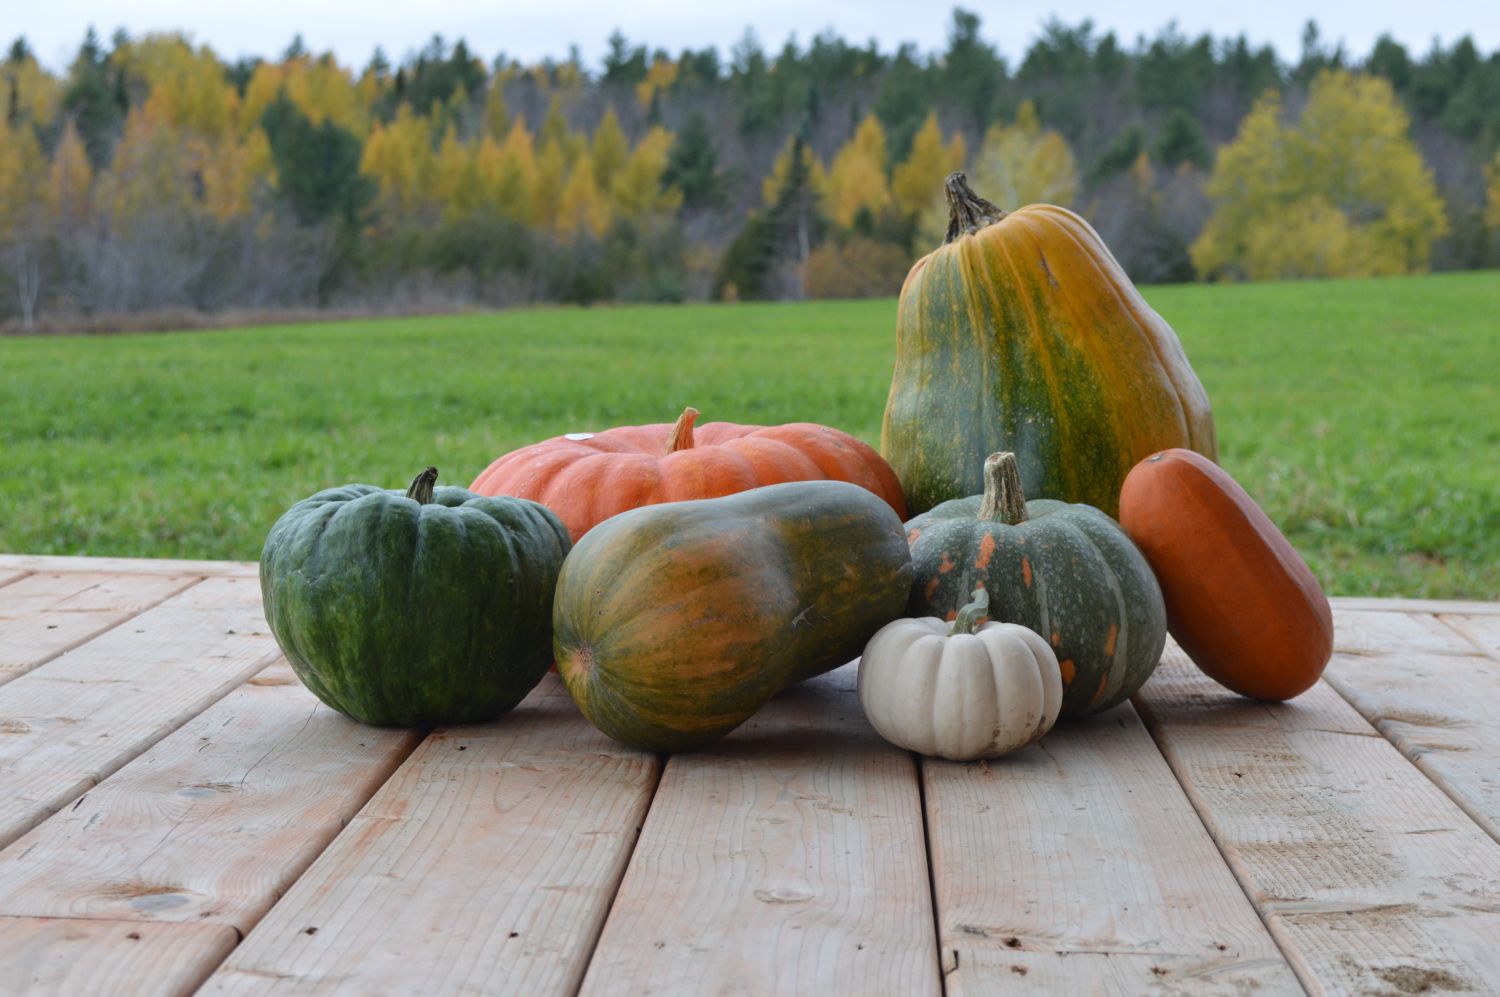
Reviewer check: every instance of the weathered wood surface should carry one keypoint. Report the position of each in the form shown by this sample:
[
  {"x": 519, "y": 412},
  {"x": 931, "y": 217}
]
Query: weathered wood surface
[
  {"x": 69, "y": 958},
  {"x": 43, "y": 615},
  {"x": 214, "y": 823},
  {"x": 1433, "y": 694},
  {"x": 182, "y": 793},
  {"x": 1078, "y": 865},
  {"x": 130, "y": 566},
  {"x": 485, "y": 865},
  {"x": 1370, "y": 878},
  {"x": 71, "y": 722},
  {"x": 787, "y": 857}
]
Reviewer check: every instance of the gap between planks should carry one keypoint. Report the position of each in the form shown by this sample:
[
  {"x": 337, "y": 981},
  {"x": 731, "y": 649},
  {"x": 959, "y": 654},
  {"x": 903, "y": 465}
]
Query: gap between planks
[
  {"x": 129, "y": 565},
  {"x": 1362, "y": 868}
]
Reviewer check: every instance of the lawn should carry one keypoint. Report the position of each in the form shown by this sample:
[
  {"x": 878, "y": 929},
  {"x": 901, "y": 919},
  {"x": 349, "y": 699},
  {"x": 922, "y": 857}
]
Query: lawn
[{"x": 1364, "y": 415}]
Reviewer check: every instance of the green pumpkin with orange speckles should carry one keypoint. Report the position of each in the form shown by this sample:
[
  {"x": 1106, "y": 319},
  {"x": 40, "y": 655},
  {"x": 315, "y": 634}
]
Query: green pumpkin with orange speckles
[
  {"x": 1022, "y": 333},
  {"x": 1066, "y": 571}
]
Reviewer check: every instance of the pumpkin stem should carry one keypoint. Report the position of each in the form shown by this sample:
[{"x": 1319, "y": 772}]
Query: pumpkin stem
[
  {"x": 682, "y": 432},
  {"x": 421, "y": 486},
  {"x": 1004, "y": 501},
  {"x": 970, "y": 615},
  {"x": 967, "y": 211}
]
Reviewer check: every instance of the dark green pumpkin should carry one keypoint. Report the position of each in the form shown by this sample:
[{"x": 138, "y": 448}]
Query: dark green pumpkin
[
  {"x": 430, "y": 606},
  {"x": 1068, "y": 572},
  {"x": 1021, "y": 333},
  {"x": 676, "y": 622}
]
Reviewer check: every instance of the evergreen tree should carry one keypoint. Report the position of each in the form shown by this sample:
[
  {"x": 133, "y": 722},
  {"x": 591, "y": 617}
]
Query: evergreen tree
[
  {"x": 1182, "y": 141},
  {"x": 693, "y": 165},
  {"x": 317, "y": 166}
]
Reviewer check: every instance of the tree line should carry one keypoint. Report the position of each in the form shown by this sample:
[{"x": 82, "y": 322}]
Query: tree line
[{"x": 154, "y": 174}]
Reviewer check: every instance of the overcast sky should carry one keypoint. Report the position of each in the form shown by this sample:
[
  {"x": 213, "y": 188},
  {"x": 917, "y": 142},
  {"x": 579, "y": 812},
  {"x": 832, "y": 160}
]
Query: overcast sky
[{"x": 529, "y": 31}]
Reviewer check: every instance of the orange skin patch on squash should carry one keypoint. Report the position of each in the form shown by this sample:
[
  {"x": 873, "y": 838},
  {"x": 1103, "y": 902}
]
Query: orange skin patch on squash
[
  {"x": 986, "y": 551},
  {"x": 946, "y": 566},
  {"x": 1026, "y": 574},
  {"x": 932, "y": 587},
  {"x": 913, "y": 536},
  {"x": 1109, "y": 640},
  {"x": 1067, "y": 667},
  {"x": 952, "y": 615},
  {"x": 1097, "y": 692}
]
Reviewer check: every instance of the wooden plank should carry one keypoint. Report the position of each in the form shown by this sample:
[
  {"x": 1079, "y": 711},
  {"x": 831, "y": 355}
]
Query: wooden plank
[
  {"x": 1481, "y": 631},
  {"x": 1370, "y": 878},
  {"x": 6, "y": 577},
  {"x": 130, "y": 566},
  {"x": 788, "y": 856},
  {"x": 1363, "y": 604},
  {"x": 485, "y": 864},
  {"x": 215, "y": 822},
  {"x": 1079, "y": 866},
  {"x": 70, "y": 723},
  {"x": 109, "y": 958},
  {"x": 1433, "y": 695},
  {"x": 43, "y": 615}
]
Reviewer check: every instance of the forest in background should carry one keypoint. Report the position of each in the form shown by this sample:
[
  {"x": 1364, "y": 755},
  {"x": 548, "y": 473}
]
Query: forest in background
[{"x": 154, "y": 175}]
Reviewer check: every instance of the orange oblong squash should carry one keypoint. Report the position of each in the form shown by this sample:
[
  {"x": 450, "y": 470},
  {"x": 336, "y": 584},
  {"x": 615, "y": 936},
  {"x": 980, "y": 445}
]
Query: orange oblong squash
[
  {"x": 1240, "y": 600},
  {"x": 585, "y": 478}
]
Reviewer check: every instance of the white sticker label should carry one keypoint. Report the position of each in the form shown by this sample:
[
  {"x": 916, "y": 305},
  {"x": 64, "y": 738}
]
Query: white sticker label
[{"x": 579, "y": 436}]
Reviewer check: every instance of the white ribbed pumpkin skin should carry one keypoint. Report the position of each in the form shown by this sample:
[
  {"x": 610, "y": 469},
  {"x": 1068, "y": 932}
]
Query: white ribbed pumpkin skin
[{"x": 960, "y": 697}]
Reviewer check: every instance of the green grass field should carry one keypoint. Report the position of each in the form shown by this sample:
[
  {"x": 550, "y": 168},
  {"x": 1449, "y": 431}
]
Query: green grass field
[{"x": 1364, "y": 415}]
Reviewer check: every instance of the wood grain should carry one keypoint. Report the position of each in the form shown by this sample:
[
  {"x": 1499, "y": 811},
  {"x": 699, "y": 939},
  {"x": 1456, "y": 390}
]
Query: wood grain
[
  {"x": 43, "y": 615},
  {"x": 1481, "y": 631},
  {"x": 485, "y": 864},
  {"x": 786, "y": 857},
  {"x": 1371, "y": 880},
  {"x": 109, "y": 958},
  {"x": 6, "y": 577},
  {"x": 1361, "y": 603},
  {"x": 215, "y": 822},
  {"x": 130, "y": 566},
  {"x": 1079, "y": 866},
  {"x": 68, "y": 724},
  {"x": 1434, "y": 696}
]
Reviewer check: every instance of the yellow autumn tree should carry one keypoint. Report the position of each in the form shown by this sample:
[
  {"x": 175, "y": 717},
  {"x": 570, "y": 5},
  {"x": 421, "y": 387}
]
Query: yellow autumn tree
[
  {"x": 147, "y": 175},
  {"x": 637, "y": 190},
  {"x": 582, "y": 206},
  {"x": 496, "y": 111},
  {"x": 917, "y": 183},
  {"x": 856, "y": 179},
  {"x": 1018, "y": 164},
  {"x": 555, "y": 130},
  {"x": 229, "y": 171},
  {"x": 187, "y": 87},
  {"x": 512, "y": 175},
  {"x": 27, "y": 86},
  {"x": 1340, "y": 191},
  {"x": 398, "y": 156},
  {"x": 551, "y": 168},
  {"x": 70, "y": 181},
  {"x": 320, "y": 88},
  {"x": 661, "y": 74},
  {"x": 456, "y": 184},
  {"x": 609, "y": 149}
]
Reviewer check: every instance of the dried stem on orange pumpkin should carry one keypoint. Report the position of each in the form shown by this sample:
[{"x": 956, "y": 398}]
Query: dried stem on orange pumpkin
[
  {"x": 967, "y": 211},
  {"x": 682, "y": 432},
  {"x": 1004, "y": 500}
]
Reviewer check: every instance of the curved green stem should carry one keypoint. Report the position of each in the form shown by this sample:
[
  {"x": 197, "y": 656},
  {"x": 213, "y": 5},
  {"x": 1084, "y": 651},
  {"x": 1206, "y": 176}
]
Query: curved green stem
[
  {"x": 969, "y": 617},
  {"x": 1004, "y": 500},
  {"x": 421, "y": 486},
  {"x": 967, "y": 211}
]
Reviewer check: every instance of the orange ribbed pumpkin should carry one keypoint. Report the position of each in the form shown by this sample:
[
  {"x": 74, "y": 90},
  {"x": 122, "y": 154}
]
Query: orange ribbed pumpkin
[
  {"x": 1240, "y": 600},
  {"x": 588, "y": 477},
  {"x": 1021, "y": 333}
]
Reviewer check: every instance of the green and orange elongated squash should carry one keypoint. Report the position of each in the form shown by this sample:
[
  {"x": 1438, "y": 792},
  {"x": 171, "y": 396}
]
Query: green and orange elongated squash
[
  {"x": 1240, "y": 600},
  {"x": 1068, "y": 572},
  {"x": 1021, "y": 333},
  {"x": 675, "y": 622},
  {"x": 587, "y": 477},
  {"x": 429, "y": 606}
]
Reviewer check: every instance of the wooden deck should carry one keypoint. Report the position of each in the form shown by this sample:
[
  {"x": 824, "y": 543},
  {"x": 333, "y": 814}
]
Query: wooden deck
[{"x": 178, "y": 813}]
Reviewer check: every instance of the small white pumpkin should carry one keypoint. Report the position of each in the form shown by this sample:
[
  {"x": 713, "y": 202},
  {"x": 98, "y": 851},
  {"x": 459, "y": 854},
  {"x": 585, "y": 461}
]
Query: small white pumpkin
[{"x": 960, "y": 693}]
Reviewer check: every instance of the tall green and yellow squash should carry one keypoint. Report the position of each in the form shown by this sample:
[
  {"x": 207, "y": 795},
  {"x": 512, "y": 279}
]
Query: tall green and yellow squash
[{"x": 1021, "y": 333}]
